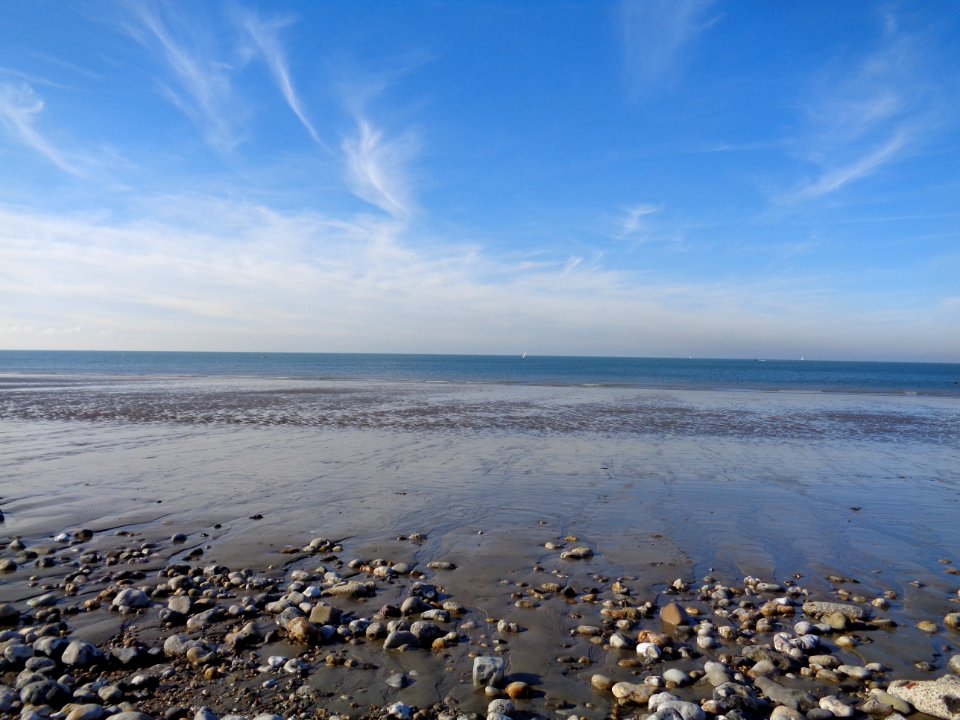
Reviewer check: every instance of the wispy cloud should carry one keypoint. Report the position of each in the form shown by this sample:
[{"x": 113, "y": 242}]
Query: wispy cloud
[
  {"x": 265, "y": 36},
  {"x": 20, "y": 109},
  {"x": 866, "y": 113},
  {"x": 835, "y": 178},
  {"x": 631, "y": 222},
  {"x": 200, "y": 274},
  {"x": 655, "y": 34},
  {"x": 200, "y": 86},
  {"x": 377, "y": 169}
]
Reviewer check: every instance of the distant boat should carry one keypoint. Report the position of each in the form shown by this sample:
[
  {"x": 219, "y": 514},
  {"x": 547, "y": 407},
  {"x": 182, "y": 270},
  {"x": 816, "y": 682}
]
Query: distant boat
[{"x": 524, "y": 354}]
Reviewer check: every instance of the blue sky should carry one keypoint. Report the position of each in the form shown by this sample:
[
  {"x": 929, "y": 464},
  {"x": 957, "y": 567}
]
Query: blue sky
[{"x": 660, "y": 178}]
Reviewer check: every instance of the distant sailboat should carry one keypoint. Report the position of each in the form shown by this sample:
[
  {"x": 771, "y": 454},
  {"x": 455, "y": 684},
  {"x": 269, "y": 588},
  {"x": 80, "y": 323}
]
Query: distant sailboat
[{"x": 524, "y": 354}]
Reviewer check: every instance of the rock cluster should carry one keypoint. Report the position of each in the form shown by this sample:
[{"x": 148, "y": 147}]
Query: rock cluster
[{"x": 754, "y": 649}]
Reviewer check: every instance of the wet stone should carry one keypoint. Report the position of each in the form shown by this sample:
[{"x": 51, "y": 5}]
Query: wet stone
[
  {"x": 898, "y": 705},
  {"x": 788, "y": 697},
  {"x": 325, "y": 615},
  {"x": 398, "y": 680},
  {"x": 488, "y": 670},
  {"x": 672, "y": 614},
  {"x": 9, "y": 615},
  {"x": 839, "y": 709},
  {"x": 180, "y": 604},
  {"x": 80, "y": 653},
  {"x": 17, "y": 654},
  {"x": 601, "y": 682},
  {"x": 45, "y": 600},
  {"x": 517, "y": 690},
  {"x": 43, "y": 692},
  {"x": 400, "y": 639},
  {"x": 577, "y": 553},
  {"x": 638, "y": 694},
  {"x": 782, "y": 712},
  {"x": 820, "y": 608},
  {"x": 940, "y": 698},
  {"x": 131, "y": 598}
]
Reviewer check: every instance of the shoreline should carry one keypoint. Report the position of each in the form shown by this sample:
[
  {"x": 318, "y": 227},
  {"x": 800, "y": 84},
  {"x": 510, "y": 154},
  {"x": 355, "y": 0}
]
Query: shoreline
[{"x": 849, "y": 498}]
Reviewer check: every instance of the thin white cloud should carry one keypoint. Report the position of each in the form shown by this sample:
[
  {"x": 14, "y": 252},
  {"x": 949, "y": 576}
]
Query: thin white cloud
[
  {"x": 196, "y": 274},
  {"x": 866, "y": 113},
  {"x": 836, "y": 178},
  {"x": 631, "y": 222},
  {"x": 377, "y": 169},
  {"x": 20, "y": 108},
  {"x": 265, "y": 35},
  {"x": 201, "y": 85},
  {"x": 655, "y": 35}
]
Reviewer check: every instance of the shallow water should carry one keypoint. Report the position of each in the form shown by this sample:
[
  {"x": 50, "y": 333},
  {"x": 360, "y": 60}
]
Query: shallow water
[{"x": 661, "y": 483}]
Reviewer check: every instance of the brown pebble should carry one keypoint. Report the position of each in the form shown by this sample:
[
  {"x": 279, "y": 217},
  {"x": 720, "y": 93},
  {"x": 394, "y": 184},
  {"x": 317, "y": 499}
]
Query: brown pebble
[{"x": 517, "y": 690}]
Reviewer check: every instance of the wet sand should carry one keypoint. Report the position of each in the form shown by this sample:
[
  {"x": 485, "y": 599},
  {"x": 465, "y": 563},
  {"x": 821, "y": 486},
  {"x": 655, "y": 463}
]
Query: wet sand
[{"x": 660, "y": 484}]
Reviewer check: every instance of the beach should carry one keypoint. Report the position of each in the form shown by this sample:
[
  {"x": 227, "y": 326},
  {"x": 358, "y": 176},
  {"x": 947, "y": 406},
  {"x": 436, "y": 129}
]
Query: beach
[{"x": 830, "y": 496}]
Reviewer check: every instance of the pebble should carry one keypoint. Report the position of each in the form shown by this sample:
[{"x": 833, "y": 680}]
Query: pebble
[
  {"x": 517, "y": 690},
  {"x": 857, "y": 672},
  {"x": 295, "y": 666},
  {"x": 675, "y": 676},
  {"x": 648, "y": 652},
  {"x": 898, "y": 705},
  {"x": 488, "y": 670},
  {"x": 80, "y": 653},
  {"x": 400, "y": 639},
  {"x": 131, "y": 598},
  {"x": 400, "y": 711},
  {"x": 577, "y": 553},
  {"x": 45, "y": 600},
  {"x": 835, "y": 706},
  {"x": 820, "y": 608},
  {"x": 672, "y": 614},
  {"x": 927, "y": 626},
  {"x": 634, "y": 693},
  {"x": 763, "y": 651},
  {"x": 441, "y": 565},
  {"x": 940, "y": 698},
  {"x": 85, "y": 712},
  {"x": 398, "y": 680},
  {"x": 502, "y": 706},
  {"x": 601, "y": 682},
  {"x": 9, "y": 615},
  {"x": 687, "y": 710},
  {"x": 782, "y": 712}
]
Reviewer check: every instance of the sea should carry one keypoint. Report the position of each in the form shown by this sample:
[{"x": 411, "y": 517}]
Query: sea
[{"x": 675, "y": 373}]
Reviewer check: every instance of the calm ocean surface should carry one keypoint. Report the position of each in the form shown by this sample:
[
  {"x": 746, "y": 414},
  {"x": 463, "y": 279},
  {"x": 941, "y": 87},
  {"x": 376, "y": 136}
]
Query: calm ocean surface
[{"x": 863, "y": 377}]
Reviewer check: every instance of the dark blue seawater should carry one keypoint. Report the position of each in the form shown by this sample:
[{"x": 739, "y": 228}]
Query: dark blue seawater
[{"x": 870, "y": 377}]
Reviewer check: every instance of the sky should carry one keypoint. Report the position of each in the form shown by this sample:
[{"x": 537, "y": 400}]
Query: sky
[{"x": 662, "y": 178}]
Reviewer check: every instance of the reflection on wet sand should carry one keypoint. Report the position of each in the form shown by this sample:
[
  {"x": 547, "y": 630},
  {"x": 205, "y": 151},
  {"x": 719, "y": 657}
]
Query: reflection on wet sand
[{"x": 662, "y": 484}]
